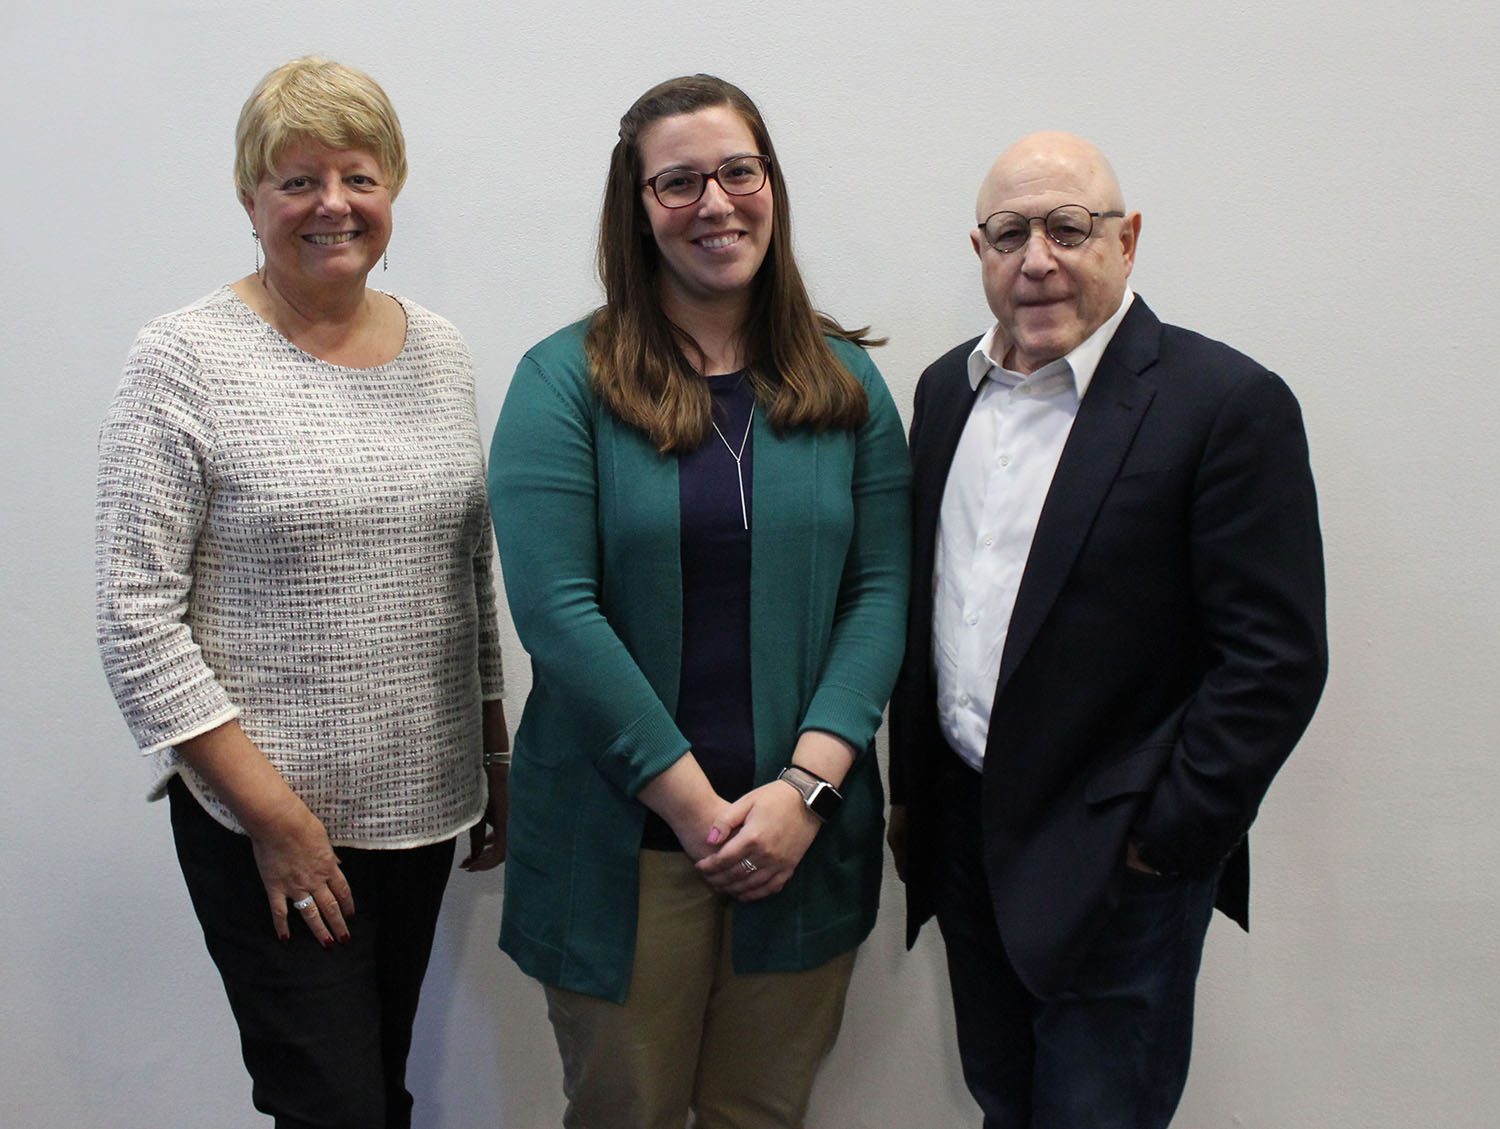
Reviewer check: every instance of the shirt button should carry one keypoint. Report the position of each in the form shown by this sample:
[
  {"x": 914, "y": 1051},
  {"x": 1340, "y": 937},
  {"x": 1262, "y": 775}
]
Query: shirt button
[
  {"x": 988, "y": 540},
  {"x": 972, "y": 620},
  {"x": 1003, "y": 460},
  {"x": 963, "y": 699}
]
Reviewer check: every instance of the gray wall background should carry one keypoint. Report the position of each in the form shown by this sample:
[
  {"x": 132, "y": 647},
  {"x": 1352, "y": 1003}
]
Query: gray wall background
[{"x": 1318, "y": 185}]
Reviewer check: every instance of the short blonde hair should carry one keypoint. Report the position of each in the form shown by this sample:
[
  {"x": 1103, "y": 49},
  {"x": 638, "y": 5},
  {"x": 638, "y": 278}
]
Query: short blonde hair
[{"x": 319, "y": 100}]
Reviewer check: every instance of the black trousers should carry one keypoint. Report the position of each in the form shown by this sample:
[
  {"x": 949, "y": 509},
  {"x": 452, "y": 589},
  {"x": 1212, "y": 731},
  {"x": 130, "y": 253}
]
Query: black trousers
[{"x": 324, "y": 1033}]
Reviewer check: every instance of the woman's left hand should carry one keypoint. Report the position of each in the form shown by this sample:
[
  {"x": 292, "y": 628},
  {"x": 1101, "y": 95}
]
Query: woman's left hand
[
  {"x": 771, "y": 829},
  {"x": 487, "y": 837}
]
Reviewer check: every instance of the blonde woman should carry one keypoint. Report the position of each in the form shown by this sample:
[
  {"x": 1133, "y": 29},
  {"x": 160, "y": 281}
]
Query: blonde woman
[{"x": 297, "y": 610}]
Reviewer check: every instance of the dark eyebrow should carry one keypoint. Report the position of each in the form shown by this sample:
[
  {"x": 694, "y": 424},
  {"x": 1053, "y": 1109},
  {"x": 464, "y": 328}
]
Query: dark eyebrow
[{"x": 683, "y": 166}]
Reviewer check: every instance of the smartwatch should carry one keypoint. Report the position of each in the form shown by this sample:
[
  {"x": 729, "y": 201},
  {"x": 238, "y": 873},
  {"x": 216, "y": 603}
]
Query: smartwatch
[{"x": 818, "y": 796}]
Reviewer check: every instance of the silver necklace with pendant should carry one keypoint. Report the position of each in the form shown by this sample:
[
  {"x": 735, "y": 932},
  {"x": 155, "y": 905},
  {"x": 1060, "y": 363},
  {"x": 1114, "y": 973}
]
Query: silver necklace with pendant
[{"x": 739, "y": 470}]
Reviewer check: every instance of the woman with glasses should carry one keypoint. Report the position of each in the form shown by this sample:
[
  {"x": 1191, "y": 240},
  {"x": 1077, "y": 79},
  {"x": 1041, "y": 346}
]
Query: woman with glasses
[{"x": 701, "y": 497}]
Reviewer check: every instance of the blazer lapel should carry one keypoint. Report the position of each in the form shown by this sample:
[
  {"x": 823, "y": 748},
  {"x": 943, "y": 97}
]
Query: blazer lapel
[
  {"x": 1106, "y": 424},
  {"x": 945, "y": 410}
]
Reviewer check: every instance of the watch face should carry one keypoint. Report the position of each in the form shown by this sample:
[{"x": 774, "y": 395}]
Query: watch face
[
  {"x": 824, "y": 801},
  {"x": 821, "y": 797}
]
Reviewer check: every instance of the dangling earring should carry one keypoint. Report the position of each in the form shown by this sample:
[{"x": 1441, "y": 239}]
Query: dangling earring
[
  {"x": 255, "y": 235},
  {"x": 385, "y": 259}
]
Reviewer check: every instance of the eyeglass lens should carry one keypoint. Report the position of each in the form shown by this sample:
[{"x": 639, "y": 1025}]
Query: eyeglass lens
[
  {"x": 677, "y": 188},
  {"x": 1068, "y": 226}
]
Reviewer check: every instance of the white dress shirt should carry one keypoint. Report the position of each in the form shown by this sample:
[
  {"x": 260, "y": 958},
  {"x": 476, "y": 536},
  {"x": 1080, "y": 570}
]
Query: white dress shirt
[{"x": 1001, "y": 472}]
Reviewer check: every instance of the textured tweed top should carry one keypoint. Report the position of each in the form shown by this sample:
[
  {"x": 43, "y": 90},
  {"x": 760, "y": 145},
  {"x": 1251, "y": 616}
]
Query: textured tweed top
[{"x": 305, "y": 547}]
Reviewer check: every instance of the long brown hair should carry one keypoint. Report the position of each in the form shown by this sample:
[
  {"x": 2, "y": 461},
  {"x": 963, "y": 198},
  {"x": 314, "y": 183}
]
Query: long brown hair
[{"x": 639, "y": 367}]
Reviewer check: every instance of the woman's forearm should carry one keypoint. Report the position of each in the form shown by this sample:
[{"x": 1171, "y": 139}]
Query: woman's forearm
[
  {"x": 824, "y": 755},
  {"x": 683, "y": 796},
  {"x": 242, "y": 777}
]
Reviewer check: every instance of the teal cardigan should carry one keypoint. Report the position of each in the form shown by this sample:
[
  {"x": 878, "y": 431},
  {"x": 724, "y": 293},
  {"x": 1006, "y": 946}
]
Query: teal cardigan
[{"x": 586, "y": 515}]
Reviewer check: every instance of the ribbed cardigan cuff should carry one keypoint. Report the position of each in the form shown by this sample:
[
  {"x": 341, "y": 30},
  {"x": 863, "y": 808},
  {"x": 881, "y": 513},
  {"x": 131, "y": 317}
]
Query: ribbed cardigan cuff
[
  {"x": 845, "y": 713},
  {"x": 643, "y": 751}
]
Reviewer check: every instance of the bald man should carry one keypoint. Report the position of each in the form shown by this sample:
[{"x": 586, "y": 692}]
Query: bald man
[{"x": 1121, "y": 641}]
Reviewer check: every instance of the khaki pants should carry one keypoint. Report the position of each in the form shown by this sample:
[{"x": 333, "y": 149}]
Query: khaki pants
[{"x": 740, "y": 1051}]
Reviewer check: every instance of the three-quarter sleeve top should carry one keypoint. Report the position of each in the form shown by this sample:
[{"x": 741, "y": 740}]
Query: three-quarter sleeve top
[{"x": 307, "y": 548}]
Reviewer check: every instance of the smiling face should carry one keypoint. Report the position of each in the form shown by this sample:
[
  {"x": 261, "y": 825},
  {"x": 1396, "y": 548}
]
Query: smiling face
[
  {"x": 1047, "y": 299},
  {"x": 323, "y": 216},
  {"x": 710, "y": 251}
]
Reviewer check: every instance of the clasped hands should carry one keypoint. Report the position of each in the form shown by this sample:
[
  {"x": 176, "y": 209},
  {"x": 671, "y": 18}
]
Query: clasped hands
[{"x": 769, "y": 827}]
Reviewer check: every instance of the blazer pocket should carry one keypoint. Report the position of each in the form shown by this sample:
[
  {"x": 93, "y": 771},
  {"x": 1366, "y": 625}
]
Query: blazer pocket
[
  {"x": 1137, "y": 771},
  {"x": 1134, "y": 774},
  {"x": 1141, "y": 470}
]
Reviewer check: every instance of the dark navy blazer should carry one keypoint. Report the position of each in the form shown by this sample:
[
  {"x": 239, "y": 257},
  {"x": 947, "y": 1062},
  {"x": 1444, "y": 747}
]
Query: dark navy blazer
[{"x": 1166, "y": 651}]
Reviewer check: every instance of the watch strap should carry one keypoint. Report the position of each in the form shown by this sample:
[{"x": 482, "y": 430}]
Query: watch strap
[{"x": 818, "y": 795}]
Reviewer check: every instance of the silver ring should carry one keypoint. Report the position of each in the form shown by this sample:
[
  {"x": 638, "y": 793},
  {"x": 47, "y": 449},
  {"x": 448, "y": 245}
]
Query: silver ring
[
  {"x": 302, "y": 903},
  {"x": 749, "y": 867}
]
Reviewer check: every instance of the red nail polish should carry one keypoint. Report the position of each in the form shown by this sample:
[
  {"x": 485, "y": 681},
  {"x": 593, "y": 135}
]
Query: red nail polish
[
  {"x": 345, "y": 939},
  {"x": 327, "y": 942}
]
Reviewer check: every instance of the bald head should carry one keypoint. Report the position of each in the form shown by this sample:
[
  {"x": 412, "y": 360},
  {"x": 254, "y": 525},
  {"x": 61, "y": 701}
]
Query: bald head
[
  {"x": 1050, "y": 293},
  {"x": 1041, "y": 161}
]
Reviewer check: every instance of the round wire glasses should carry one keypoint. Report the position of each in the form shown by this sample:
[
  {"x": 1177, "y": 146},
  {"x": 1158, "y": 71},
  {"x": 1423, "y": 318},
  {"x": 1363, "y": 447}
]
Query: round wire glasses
[{"x": 1067, "y": 225}]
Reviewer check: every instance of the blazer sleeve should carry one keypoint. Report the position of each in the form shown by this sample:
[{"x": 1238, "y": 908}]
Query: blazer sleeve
[
  {"x": 865, "y": 647},
  {"x": 1256, "y": 567},
  {"x": 544, "y": 495}
]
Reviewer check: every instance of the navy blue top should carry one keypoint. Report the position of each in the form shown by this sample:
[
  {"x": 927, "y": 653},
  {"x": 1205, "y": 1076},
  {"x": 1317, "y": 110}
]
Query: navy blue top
[{"x": 713, "y": 700}]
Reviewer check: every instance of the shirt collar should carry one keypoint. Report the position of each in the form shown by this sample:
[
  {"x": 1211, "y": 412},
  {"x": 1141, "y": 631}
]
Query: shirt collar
[{"x": 1081, "y": 362}]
